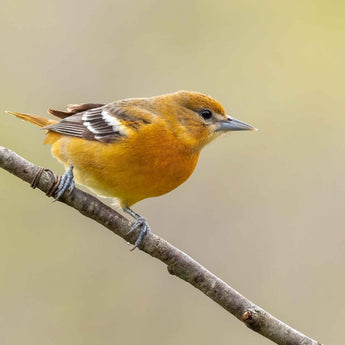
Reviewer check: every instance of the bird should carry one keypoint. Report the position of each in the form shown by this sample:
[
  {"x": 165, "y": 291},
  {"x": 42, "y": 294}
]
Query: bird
[{"x": 135, "y": 148}]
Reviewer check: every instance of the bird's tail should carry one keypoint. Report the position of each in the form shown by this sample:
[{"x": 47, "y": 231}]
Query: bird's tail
[{"x": 37, "y": 120}]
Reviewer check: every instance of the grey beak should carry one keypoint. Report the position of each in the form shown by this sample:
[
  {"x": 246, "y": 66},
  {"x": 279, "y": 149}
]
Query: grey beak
[{"x": 232, "y": 124}]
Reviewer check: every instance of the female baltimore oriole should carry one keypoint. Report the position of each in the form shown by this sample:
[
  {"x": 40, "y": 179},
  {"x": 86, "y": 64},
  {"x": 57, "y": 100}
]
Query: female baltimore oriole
[{"x": 135, "y": 148}]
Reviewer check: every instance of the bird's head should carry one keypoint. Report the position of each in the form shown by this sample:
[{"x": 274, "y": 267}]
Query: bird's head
[{"x": 197, "y": 118}]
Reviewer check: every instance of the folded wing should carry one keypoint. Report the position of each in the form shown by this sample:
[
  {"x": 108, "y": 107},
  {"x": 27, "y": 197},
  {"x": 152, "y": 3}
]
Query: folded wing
[{"x": 104, "y": 123}]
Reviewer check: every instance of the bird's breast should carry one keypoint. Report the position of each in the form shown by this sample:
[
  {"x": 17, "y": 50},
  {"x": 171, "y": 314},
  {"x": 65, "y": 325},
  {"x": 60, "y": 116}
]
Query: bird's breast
[{"x": 149, "y": 164}]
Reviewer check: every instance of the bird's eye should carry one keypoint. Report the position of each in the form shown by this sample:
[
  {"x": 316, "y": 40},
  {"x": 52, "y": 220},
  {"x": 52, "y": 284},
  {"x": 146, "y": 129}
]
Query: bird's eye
[{"x": 206, "y": 114}]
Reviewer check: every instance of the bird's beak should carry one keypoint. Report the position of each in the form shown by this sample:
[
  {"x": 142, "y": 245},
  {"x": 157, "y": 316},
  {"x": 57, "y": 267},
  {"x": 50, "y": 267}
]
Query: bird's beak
[{"x": 232, "y": 124}]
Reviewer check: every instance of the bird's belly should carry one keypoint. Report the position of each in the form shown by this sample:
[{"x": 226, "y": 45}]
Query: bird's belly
[{"x": 121, "y": 172}]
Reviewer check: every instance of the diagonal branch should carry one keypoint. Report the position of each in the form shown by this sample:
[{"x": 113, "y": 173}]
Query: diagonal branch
[{"x": 178, "y": 263}]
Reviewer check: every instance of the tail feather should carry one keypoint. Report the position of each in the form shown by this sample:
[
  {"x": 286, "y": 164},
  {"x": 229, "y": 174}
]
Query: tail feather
[{"x": 37, "y": 120}]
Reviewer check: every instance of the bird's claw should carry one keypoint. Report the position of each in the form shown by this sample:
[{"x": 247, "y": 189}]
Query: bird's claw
[
  {"x": 144, "y": 231},
  {"x": 66, "y": 184}
]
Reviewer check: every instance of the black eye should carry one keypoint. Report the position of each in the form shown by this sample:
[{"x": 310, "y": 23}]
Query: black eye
[{"x": 206, "y": 114}]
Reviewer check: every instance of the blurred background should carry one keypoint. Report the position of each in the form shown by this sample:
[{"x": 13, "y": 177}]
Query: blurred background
[{"x": 264, "y": 211}]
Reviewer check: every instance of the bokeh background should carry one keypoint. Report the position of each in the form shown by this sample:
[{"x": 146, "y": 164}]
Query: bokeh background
[{"x": 264, "y": 211}]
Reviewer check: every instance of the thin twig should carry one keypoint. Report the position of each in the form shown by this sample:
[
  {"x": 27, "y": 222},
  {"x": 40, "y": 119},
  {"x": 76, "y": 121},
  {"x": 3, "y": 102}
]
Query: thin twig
[{"x": 178, "y": 263}]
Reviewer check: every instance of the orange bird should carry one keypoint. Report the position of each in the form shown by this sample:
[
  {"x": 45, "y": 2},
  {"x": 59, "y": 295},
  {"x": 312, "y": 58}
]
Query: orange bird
[{"x": 135, "y": 148}]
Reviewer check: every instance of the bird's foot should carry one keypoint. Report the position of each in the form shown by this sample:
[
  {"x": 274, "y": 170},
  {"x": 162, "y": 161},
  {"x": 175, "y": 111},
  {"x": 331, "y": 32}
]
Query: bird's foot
[
  {"x": 140, "y": 223},
  {"x": 60, "y": 184},
  {"x": 66, "y": 184}
]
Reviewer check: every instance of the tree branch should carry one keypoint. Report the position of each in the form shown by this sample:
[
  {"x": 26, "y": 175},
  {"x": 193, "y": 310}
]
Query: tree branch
[{"x": 178, "y": 263}]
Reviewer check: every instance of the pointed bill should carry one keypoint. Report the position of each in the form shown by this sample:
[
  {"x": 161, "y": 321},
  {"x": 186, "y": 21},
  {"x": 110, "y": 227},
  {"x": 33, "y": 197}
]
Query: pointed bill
[{"x": 232, "y": 124}]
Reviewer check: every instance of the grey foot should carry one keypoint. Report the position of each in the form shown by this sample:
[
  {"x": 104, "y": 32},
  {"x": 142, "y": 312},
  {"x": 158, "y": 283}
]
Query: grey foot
[
  {"x": 140, "y": 223},
  {"x": 66, "y": 184}
]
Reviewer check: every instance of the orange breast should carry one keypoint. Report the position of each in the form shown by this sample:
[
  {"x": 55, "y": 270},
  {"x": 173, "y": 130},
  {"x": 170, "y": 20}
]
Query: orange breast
[{"x": 148, "y": 164}]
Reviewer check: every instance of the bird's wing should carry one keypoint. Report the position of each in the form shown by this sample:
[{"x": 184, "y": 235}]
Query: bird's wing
[
  {"x": 74, "y": 109},
  {"x": 107, "y": 123}
]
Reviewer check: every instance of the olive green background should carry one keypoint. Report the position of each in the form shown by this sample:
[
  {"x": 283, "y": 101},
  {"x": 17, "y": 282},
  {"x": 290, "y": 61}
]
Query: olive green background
[{"x": 264, "y": 210}]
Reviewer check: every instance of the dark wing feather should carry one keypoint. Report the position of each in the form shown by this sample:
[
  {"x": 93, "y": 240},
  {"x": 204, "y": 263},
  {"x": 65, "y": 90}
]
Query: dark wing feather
[
  {"x": 74, "y": 109},
  {"x": 105, "y": 124}
]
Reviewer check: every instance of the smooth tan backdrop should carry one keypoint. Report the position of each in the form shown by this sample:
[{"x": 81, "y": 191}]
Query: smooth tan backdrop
[{"x": 264, "y": 211}]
